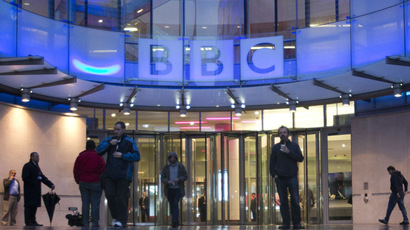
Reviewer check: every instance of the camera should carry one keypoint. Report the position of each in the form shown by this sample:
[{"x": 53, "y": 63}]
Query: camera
[{"x": 74, "y": 219}]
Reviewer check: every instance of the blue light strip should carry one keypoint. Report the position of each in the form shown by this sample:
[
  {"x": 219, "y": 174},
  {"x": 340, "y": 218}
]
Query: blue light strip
[{"x": 108, "y": 70}]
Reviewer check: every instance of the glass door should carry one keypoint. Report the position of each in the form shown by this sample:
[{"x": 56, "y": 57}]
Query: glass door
[
  {"x": 238, "y": 188},
  {"x": 337, "y": 181},
  {"x": 147, "y": 178}
]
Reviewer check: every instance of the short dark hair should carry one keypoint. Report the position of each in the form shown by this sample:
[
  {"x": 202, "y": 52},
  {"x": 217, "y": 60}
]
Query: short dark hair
[
  {"x": 391, "y": 168},
  {"x": 122, "y": 124},
  {"x": 90, "y": 145},
  {"x": 32, "y": 154},
  {"x": 284, "y": 127}
]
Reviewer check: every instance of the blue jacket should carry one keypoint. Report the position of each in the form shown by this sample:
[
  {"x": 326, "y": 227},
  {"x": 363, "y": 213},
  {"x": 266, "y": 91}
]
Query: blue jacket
[{"x": 118, "y": 168}]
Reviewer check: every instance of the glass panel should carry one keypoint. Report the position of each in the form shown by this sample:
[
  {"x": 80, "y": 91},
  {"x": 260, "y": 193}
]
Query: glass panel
[
  {"x": 96, "y": 54},
  {"x": 310, "y": 197},
  {"x": 364, "y": 7},
  {"x": 308, "y": 118},
  {"x": 188, "y": 123},
  {"x": 323, "y": 50},
  {"x": 265, "y": 205},
  {"x": 137, "y": 19},
  {"x": 252, "y": 197},
  {"x": 274, "y": 118},
  {"x": 214, "y": 17},
  {"x": 230, "y": 180},
  {"x": 287, "y": 19},
  {"x": 261, "y": 16},
  {"x": 198, "y": 177},
  {"x": 338, "y": 115},
  {"x": 40, "y": 7},
  {"x": 340, "y": 177},
  {"x": 44, "y": 37},
  {"x": 112, "y": 116},
  {"x": 302, "y": 174},
  {"x": 147, "y": 177},
  {"x": 216, "y": 121},
  {"x": 367, "y": 34},
  {"x": 8, "y": 17},
  {"x": 166, "y": 17},
  {"x": 322, "y": 12},
  {"x": 153, "y": 121},
  {"x": 249, "y": 120}
]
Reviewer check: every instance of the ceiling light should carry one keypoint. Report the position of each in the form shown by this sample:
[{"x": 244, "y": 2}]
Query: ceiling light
[
  {"x": 346, "y": 99},
  {"x": 238, "y": 112},
  {"x": 145, "y": 126},
  {"x": 25, "y": 95},
  {"x": 243, "y": 105},
  {"x": 233, "y": 106},
  {"x": 187, "y": 106},
  {"x": 73, "y": 104},
  {"x": 182, "y": 113},
  {"x": 113, "y": 114},
  {"x": 397, "y": 89},
  {"x": 127, "y": 109},
  {"x": 100, "y": 21},
  {"x": 292, "y": 106},
  {"x": 177, "y": 107}
]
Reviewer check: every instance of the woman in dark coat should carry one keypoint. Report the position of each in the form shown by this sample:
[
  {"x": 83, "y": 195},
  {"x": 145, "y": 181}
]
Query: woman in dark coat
[{"x": 32, "y": 178}]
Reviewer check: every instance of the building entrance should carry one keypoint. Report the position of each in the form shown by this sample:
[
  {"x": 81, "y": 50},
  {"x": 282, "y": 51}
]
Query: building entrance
[{"x": 229, "y": 181}]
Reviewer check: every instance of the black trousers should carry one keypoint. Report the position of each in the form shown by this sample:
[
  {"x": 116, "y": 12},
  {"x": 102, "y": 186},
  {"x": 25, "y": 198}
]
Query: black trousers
[
  {"x": 118, "y": 192},
  {"x": 30, "y": 216},
  {"x": 144, "y": 212}
]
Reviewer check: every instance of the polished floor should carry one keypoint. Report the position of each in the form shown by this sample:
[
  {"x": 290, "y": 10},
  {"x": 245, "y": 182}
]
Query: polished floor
[{"x": 231, "y": 227}]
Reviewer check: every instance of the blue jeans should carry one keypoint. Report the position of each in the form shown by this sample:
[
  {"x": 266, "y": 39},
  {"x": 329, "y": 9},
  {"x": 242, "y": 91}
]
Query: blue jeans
[
  {"x": 284, "y": 183},
  {"x": 90, "y": 195},
  {"x": 174, "y": 195},
  {"x": 393, "y": 200}
]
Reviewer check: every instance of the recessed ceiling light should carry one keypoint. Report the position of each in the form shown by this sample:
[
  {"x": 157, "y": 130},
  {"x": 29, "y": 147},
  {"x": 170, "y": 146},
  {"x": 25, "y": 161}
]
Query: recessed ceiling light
[
  {"x": 100, "y": 21},
  {"x": 113, "y": 114}
]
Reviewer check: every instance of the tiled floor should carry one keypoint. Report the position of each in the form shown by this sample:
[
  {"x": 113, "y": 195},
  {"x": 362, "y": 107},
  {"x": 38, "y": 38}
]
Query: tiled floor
[{"x": 230, "y": 227}]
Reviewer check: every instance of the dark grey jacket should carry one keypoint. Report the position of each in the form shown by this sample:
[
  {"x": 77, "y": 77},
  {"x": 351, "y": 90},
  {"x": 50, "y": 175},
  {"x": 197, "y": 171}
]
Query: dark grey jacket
[{"x": 182, "y": 176}]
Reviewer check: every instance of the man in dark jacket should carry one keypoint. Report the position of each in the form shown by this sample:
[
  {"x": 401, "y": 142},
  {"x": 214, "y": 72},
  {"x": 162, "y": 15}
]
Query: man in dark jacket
[
  {"x": 173, "y": 176},
  {"x": 144, "y": 205},
  {"x": 87, "y": 170},
  {"x": 11, "y": 198},
  {"x": 122, "y": 152},
  {"x": 32, "y": 178},
  {"x": 397, "y": 181},
  {"x": 284, "y": 168}
]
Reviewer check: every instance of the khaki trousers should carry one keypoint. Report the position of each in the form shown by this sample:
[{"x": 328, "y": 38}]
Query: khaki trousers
[{"x": 10, "y": 211}]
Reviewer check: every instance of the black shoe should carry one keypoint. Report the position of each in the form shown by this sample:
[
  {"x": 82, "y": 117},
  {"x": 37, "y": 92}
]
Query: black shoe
[
  {"x": 404, "y": 223},
  {"x": 175, "y": 224},
  {"x": 298, "y": 226},
  {"x": 383, "y": 221},
  {"x": 284, "y": 227},
  {"x": 37, "y": 224}
]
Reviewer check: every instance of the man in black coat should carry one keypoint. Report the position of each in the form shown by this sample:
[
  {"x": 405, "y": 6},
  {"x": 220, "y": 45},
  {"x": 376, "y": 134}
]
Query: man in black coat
[
  {"x": 32, "y": 178},
  {"x": 144, "y": 204}
]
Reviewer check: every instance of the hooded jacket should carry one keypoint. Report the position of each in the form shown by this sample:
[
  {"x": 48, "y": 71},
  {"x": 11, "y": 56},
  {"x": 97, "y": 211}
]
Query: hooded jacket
[{"x": 182, "y": 175}]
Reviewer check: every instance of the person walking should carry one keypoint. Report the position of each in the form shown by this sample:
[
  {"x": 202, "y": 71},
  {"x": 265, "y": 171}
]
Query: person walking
[
  {"x": 397, "y": 181},
  {"x": 122, "y": 152},
  {"x": 87, "y": 170},
  {"x": 32, "y": 179},
  {"x": 173, "y": 176},
  {"x": 284, "y": 169},
  {"x": 11, "y": 198}
]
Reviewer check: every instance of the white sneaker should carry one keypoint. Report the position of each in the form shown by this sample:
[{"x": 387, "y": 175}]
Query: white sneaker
[
  {"x": 113, "y": 222},
  {"x": 118, "y": 224}
]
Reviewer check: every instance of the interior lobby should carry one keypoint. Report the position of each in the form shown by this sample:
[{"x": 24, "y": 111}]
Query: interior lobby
[{"x": 213, "y": 80}]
